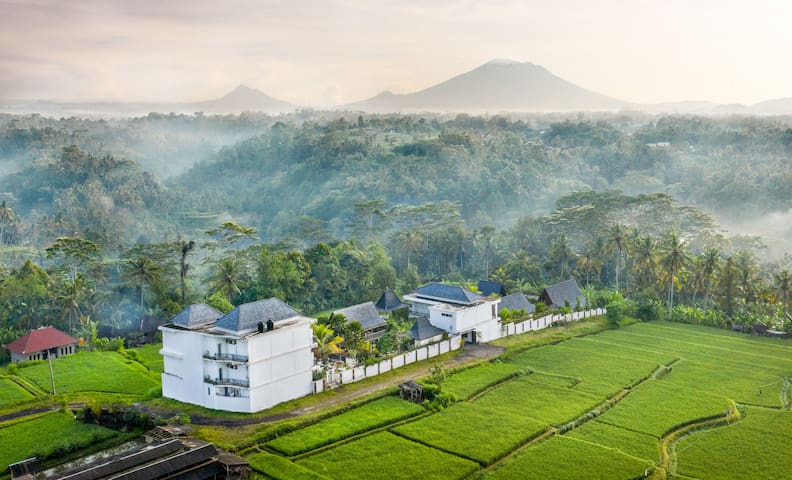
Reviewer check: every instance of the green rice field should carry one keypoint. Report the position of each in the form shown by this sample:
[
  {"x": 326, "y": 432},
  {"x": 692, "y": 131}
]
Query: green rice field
[{"x": 585, "y": 408}]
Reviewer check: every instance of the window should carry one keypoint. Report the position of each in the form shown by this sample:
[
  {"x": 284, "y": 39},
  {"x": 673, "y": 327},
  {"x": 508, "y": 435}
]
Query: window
[{"x": 447, "y": 315}]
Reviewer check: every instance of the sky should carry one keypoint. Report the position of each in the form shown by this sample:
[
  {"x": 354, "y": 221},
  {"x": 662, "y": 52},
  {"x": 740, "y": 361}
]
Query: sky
[{"x": 328, "y": 52}]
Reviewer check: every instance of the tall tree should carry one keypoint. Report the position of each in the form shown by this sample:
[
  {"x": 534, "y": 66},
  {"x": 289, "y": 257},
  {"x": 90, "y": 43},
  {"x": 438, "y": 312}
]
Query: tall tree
[
  {"x": 616, "y": 237},
  {"x": 710, "y": 266},
  {"x": 186, "y": 248},
  {"x": 227, "y": 277},
  {"x": 141, "y": 268},
  {"x": 673, "y": 260}
]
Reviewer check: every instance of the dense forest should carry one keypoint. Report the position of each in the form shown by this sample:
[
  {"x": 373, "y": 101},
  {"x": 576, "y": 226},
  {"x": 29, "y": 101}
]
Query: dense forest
[{"x": 120, "y": 223}]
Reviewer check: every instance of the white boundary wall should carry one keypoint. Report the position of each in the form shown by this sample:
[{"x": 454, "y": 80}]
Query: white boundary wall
[{"x": 340, "y": 377}]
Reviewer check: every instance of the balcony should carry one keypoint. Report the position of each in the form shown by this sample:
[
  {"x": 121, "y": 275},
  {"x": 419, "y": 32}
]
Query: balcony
[
  {"x": 226, "y": 357},
  {"x": 231, "y": 382}
]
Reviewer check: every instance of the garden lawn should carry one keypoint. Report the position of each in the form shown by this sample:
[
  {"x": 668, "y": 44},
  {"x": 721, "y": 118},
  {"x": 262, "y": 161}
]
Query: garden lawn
[
  {"x": 387, "y": 456},
  {"x": 565, "y": 458},
  {"x": 630, "y": 442},
  {"x": 358, "y": 420},
  {"x": 278, "y": 468},
  {"x": 473, "y": 380},
  {"x": 529, "y": 397},
  {"x": 758, "y": 446},
  {"x": 52, "y": 435},
  {"x": 475, "y": 432},
  {"x": 11, "y": 393},
  {"x": 93, "y": 372}
]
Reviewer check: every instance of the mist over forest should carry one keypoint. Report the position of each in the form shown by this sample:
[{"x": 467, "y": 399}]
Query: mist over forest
[{"x": 402, "y": 198}]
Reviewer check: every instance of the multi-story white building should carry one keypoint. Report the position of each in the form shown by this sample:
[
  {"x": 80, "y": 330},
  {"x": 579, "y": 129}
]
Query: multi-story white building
[
  {"x": 458, "y": 311},
  {"x": 250, "y": 359}
]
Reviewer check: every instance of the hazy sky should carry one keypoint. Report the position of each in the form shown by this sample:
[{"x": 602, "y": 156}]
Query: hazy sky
[{"x": 331, "y": 51}]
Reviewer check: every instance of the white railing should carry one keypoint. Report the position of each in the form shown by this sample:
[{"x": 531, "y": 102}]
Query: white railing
[{"x": 546, "y": 321}]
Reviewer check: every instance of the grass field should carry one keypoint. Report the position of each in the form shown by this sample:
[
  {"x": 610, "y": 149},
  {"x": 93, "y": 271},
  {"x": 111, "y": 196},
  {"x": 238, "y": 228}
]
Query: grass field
[
  {"x": 107, "y": 372},
  {"x": 471, "y": 381},
  {"x": 358, "y": 420},
  {"x": 11, "y": 393},
  {"x": 54, "y": 434},
  {"x": 278, "y": 468},
  {"x": 633, "y": 443},
  {"x": 150, "y": 357},
  {"x": 468, "y": 430},
  {"x": 565, "y": 458},
  {"x": 385, "y": 455},
  {"x": 721, "y": 453}
]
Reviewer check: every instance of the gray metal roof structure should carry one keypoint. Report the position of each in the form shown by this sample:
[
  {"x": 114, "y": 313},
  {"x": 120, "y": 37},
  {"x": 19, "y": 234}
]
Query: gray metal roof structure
[
  {"x": 448, "y": 293},
  {"x": 365, "y": 313},
  {"x": 558, "y": 295},
  {"x": 516, "y": 301},
  {"x": 389, "y": 302},
  {"x": 488, "y": 287},
  {"x": 247, "y": 316},
  {"x": 423, "y": 330},
  {"x": 196, "y": 315}
]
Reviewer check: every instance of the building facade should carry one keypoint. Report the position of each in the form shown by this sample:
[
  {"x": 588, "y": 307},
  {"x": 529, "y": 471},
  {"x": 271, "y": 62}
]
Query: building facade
[
  {"x": 42, "y": 344},
  {"x": 252, "y": 358}
]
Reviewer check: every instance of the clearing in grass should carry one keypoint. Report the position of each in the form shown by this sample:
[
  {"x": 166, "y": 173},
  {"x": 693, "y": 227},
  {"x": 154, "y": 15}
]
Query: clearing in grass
[
  {"x": 372, "y": 415},
  {"x": 385, "y": 455},
  {"x": 565, "y": 458},
  {"x": 48, "y": 436},
  {"x": 760, "y": 442},
  {"x": 473, "y": 380}
]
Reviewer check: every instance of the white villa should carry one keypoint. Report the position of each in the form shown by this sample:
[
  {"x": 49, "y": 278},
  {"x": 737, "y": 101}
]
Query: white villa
[
  {"x": 457, "y": 311},
  {"x": 250, "y": 359}
]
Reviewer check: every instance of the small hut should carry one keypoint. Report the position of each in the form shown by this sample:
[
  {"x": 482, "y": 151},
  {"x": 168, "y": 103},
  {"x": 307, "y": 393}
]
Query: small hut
[{"x": 411, "y": 391}]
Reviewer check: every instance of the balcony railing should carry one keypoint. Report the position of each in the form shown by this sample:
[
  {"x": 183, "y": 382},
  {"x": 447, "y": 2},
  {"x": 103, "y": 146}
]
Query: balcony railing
[
  {"x": 235, "y": 382},
  {"x": 226, "y": 357}
]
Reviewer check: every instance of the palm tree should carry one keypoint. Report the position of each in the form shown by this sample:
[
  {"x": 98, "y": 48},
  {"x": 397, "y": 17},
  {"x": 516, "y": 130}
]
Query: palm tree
[
  {"x": 747, "y": 271},
  {"x": 143, "y": 271},
  {"x": 645, "y": 261},
  {"x": 561, "y": 254},
  {"x": 616, "y": 238},
  {"x": 728, "y": 285},
  {"x": 783, "y": 281},
  {"x": 710, "y": 266},
  {"x": 185, "y": 247},
  {"x": 70, "y": 293},
  {"x": 410, "y": 241},
  {"x": 7, "y": 219},
  {"x": 227, "y": 278},
  {"x": 673, "y": 260},
  {"x": 327, "y": 342}
]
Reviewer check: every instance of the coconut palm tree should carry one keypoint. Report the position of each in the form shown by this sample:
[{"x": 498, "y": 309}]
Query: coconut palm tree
[
  {"x": 228, "y": 277},
  {"x": 645, "y": 261},
  {"x": 143, "y": 271},
  {"x": 783, "y": 288},
  {"x": 673, "y": 259},
  {"x": 327, "y": 342},
  {"x": 710, "y": 266},
  {"x": 616, "y": 241}
]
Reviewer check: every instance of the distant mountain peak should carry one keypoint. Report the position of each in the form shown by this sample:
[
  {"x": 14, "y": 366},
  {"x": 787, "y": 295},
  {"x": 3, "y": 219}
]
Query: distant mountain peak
[
  {"x": 502, "y": 62},
  {"x": 244, "y": 98},
  {"x": 498, "y": 85}
]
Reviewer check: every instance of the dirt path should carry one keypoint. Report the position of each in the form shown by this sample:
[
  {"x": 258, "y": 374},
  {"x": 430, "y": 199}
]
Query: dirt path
[{"x": 469, "y": 354}]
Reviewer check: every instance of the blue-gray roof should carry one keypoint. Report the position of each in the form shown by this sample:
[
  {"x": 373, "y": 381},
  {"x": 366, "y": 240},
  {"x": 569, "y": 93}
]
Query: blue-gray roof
[
  {"x": 516, "y": 301},
  {"x": 365, "y": 313},
  {"x": 423, "y": 330},
  {"x": 488, "y": 287},
  {"x": 448, "y": 293},
  {"x": 196, "y": 315},
  {"x": 248, "y": 315},
  {"x": 558, "y": 295},
  {"x": 389, "y": 302}
]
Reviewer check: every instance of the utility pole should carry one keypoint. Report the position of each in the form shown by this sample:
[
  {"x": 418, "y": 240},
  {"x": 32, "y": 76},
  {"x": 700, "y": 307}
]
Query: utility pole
[{"x": 52, "y": 375}]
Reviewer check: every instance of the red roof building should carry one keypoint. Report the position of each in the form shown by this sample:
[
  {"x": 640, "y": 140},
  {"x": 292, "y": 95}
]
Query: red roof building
[{"x": 40, "y": 344}]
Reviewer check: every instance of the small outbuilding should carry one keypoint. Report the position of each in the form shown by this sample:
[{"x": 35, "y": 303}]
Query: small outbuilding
[
  {"x": 566, "y": 293},
  {"x": 41, "y": 344},
  {"x": 411, "y": 391},
  {"x": 366, "y": 314}
]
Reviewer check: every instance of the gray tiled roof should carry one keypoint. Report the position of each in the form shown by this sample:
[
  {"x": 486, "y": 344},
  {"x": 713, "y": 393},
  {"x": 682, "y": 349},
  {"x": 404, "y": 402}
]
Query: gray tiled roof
[
  {"x": 389, "y": 301},
  {"x": 196, "y": 315},
  {"x": 246, "y": 316},
  {"x": 449, "y": 293},
  {"x": 488, "y": 287},
  {"x": 561, "y": 293},
  {"x": 422, "y": 329},
  {"x": 516, "y": 301},
  {"x": 365, "y": 313}
]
